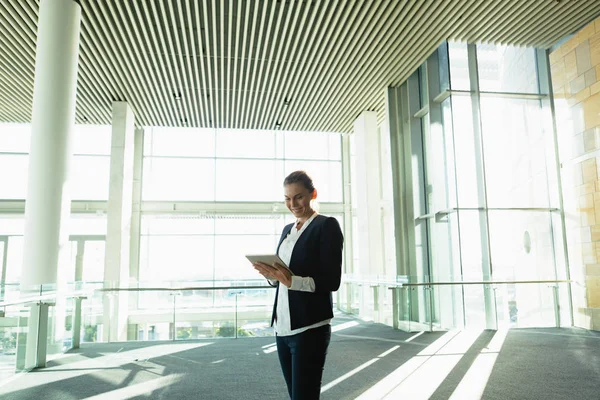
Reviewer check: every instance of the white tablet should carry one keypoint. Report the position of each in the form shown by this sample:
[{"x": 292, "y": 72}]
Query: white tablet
[{"x": 268, "y": 259}]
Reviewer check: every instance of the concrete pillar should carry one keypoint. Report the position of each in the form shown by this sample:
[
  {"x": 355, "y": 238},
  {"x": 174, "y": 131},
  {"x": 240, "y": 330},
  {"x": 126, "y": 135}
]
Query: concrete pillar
[
  {"x": 116, "y": 269},
  {"x": 53, "y": 117}
]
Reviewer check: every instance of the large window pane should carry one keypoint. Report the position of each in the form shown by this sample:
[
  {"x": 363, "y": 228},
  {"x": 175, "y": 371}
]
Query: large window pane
[
  {"x": 184, "y": 142},
  {"x": 92, "y": 139},
  {"x": 249, "y": 180},
  {"x": 326, "y": 176},
  {"x": 87, "y": 224},
  {"x": 515, "y": 153},
  {"x": 313, "y": 145},
  {"x": 261, "y": 224},
  {"x": 178, "y": 179},
  {"x": 522, "y": 249},
  {"x": 90, "y": 177},
  {"x": 459, "y": 66},
  {"x": 237, "y": 143},
  {"x": 507, "y": 69},
  {"x": 230, "y": 251},
  {"x": 13, "y": 176},
  {"x": 466, "y": 153},
  {"x": 177, "y": 225},
  {"x": 14, "y": 138},
  {"x": 176, "y": 258}
]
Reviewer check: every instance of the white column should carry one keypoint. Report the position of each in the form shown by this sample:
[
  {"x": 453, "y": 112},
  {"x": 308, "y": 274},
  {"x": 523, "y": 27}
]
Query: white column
[
  {"x": 53, "y": 117},
  {"x": 116, "y": 268},
  {"x": 368, "y": 175},
  {"x": 368, "y": 209}
]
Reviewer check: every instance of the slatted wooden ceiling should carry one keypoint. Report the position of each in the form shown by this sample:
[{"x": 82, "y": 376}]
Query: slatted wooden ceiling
[{"x": 262, "y": 64}]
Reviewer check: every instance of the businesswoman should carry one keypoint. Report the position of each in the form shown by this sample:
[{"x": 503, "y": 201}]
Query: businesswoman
[{"x": 312, "y": 248}]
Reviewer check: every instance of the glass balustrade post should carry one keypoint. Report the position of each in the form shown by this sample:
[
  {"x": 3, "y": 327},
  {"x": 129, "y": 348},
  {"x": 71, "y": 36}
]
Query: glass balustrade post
[
  {"x": 556, "y": 305},
  {"x": 235, "y": 323},
  {"x": 395, "y": 307},
  {"x": 77, "y": 322},
  {"x": 174, "y": 329}
]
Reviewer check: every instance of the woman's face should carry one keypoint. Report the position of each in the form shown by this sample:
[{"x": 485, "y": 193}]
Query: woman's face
[{"x": 297, "y": 200}]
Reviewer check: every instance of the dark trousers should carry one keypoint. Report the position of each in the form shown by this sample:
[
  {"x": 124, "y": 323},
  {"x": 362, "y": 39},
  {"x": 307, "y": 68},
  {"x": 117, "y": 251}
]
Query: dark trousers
[{"x": 302, "y": 358}]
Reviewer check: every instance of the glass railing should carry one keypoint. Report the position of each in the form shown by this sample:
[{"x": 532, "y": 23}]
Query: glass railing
[
  {"x": 489, "y": 304},
  {"x": 146, "y": 311},
  {"x": 36, "y": 324}
]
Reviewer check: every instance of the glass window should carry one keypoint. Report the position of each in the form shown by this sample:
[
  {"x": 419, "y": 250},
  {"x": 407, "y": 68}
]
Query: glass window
[
  {"x": 14, "y": 259},
  {"x": 176, "y": 258},
  {"x": 183, "y": 142},
  {"x": 177, "y": 225},
  {"x": 459, "y": 66},
  {"x": 249, "y": 180},
  {"x": 230, "y": 251},
  {"x": 515, "y": 153},
  {"x": 313, "y": 145},
  {"x": 261, "y": 224},
  {"x": 90, "y": 177},
  {"x": 507, "y": 69},
  {"x": 178, "y": 179},
  {"x": 13, "y": 176},
  {"x": 12, "y": 224},
  {"x": 14, "y": 138},
  {"x": 326, "y": 176},
  {"x": 93, "y": 261},
  {"x": 237, "y": 143},
  {"x": 87, "y": 224},
  {"x": 466, "y": 157},
  {"x": 92, "y": 139}
]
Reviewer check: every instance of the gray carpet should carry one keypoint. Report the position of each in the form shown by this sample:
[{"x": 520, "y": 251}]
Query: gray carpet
[{"x": 532, "y": 364}]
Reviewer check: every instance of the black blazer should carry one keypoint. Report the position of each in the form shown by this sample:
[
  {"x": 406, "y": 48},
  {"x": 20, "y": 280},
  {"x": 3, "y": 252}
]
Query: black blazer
[{"x": 317, "y": 254}]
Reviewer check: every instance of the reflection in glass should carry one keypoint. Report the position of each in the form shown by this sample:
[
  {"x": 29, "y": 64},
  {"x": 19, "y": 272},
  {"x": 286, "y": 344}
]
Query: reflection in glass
[
  {"x": 459, "y": 66},
  {"x": 504, "y": 68}
]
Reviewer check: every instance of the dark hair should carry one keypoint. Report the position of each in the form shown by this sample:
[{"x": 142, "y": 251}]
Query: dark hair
[{"x": 300, "y": 177}]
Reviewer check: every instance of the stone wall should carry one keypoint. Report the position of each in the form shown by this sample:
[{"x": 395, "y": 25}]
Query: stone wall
[{"x": 575, "y": 69}]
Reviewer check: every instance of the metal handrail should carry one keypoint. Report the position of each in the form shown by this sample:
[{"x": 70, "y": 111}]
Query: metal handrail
[
  {"x": 45, "y": 297},
  {"x": 480, "y": 283},
  {"x": 175, "y": 289}
]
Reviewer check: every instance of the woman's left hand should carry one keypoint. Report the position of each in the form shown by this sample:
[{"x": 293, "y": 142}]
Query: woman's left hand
[{"x": 276, "y": 272}]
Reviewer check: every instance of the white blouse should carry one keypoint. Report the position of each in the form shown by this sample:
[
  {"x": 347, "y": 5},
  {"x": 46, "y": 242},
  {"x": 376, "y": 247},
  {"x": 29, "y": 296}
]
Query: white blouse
[{"x": 304, "y": 284}]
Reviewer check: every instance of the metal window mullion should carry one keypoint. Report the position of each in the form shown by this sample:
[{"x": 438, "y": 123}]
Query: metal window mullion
[
  {"x": 545, "y": 82},
  {"x": 481, "y": 183}
]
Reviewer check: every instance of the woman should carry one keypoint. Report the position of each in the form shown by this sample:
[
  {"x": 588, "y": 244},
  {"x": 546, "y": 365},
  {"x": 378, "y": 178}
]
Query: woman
[{"x": 312, "y": 248}]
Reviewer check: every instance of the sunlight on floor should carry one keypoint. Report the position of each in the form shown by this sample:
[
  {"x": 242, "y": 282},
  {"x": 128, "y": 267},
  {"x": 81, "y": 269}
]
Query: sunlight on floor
[
  {"x": 420, "y": 376},
  {"x": 106, "y": 362},
  {"x": 140, "y": 389},
  {"x": 475, "y": 380},
  {"x": 357, "y": 369}
]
